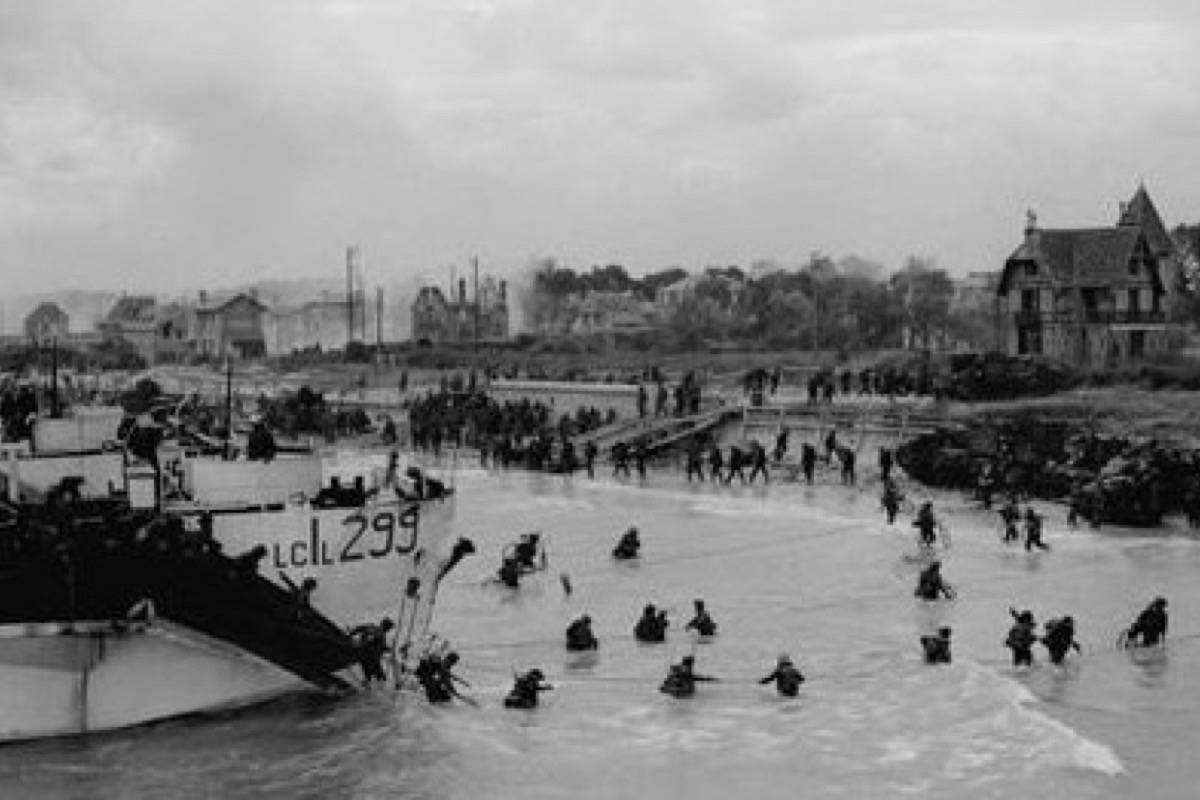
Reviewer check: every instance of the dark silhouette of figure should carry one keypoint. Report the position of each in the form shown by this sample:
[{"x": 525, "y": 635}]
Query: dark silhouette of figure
[
  {"x": 886, "y": 461},
  {"x": 651, "y": 627},
  {"x": 1033, "y": 531},
  {"x": 1021, "y": 638},
  {"x": 701, "y": 622},
  {"x": 937, "y": 647},
  {"x": 758, "y": 462},
  {"x": 580, "y": 636},
  {"x": 682, "y": 678},
  {"x": 931, "y": 585},
  {"x": 735, "y": 465},
  {"x": 926, "y": 524},
  {"x": 628, "y": 546},
  {"x": 716, "y": 463},
  {"x": 590, "y": 451},
  {"x": 526, "y": 688},
  {"x": 808, "y": 462},
  {"x": 1150, "y": 627},
  {"x": 786, "y": 677},
  {"x": 891, "y": 500},
  {"x": 370, "y": 643},
  {"x": 1059, "y": 638}
]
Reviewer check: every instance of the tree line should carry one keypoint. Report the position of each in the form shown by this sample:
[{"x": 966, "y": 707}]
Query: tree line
[{"x": 850, "y": 303}]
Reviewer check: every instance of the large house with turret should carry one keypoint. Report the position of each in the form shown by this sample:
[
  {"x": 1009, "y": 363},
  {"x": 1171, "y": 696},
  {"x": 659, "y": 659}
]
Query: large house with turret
[{"x": 1095, "y": 297}]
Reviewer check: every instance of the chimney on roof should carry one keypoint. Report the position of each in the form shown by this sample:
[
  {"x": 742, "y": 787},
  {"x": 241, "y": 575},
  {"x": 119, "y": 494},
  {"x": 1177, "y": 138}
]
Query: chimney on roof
[
  {"x": 1030, "y": 222},
  {"x": 253, "y": 292},
  {"x": 503, "y": 292},
  {"x": 462, "y": 291},
  {"x": 203, "y": 298}
]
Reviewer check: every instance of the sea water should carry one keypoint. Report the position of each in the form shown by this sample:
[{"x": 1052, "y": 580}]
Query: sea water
[{"x": 814, "y": 572}]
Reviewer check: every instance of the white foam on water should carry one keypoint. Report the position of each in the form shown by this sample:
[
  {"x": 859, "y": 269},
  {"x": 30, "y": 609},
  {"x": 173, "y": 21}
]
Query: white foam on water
[{"x": 1057, "y": 742}]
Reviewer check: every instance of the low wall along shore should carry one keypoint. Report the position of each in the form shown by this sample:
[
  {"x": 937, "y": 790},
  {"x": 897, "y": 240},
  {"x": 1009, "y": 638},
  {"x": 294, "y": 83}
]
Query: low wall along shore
[{"x": 565, "y": 397}]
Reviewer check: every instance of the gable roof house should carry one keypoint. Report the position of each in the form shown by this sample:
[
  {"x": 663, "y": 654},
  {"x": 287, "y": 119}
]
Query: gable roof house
[
  {"x": 233, "y": 327},
  {"x": 133, "y": 318},
  {"x": 1096, "y": 297}
]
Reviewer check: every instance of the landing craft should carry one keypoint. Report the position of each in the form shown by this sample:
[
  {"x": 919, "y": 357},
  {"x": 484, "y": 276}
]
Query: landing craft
[{"x": 373, "y": 550}]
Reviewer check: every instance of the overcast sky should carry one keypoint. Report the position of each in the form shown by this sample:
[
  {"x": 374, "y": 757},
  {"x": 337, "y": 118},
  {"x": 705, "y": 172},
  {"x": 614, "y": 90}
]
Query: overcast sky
[{"x": 172, "y": 145}]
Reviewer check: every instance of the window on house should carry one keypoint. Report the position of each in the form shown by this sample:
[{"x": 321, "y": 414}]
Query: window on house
[
  {"x": 1029, "y": 299},
  {"x": 1133, "y": 300},
  {"x": 1090, "y": 299},
  {"x": 1031, "y": 268},
  {"x": 1137, "y": 344}
]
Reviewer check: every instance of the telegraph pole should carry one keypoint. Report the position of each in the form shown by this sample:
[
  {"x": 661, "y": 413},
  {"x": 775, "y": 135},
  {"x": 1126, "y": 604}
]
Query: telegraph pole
[
  {"x": 475, "y": 339},
  {"x": 349, "y": 295},
  {"x": 379, "y": 316}
]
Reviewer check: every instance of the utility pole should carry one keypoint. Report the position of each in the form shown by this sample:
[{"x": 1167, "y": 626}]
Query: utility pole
[
  {"x": 349, "y": 295},
  {"x": 361, "y": 294},
  {"x": 379, "y": 316},
  {"x": 475, "y": 263}
]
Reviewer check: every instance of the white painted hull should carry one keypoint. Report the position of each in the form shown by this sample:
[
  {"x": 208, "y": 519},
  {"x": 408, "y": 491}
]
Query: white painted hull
[
  {"x": 63, "y": 679},
  {"x": 362, "y": 559}
]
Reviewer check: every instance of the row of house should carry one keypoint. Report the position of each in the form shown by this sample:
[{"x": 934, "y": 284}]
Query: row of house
[
  {"x": 1094, "y": 296},
  {"x": 239, "y": 325}
]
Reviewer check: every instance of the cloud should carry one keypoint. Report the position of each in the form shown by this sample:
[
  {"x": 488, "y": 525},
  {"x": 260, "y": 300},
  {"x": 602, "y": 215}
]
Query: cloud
[{"x": 182, "y": 143}]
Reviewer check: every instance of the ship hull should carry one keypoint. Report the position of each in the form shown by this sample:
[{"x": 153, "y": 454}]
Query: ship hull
[
  {"x": 362, "y": 558},
  {"x": 65, "y": 679}
]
